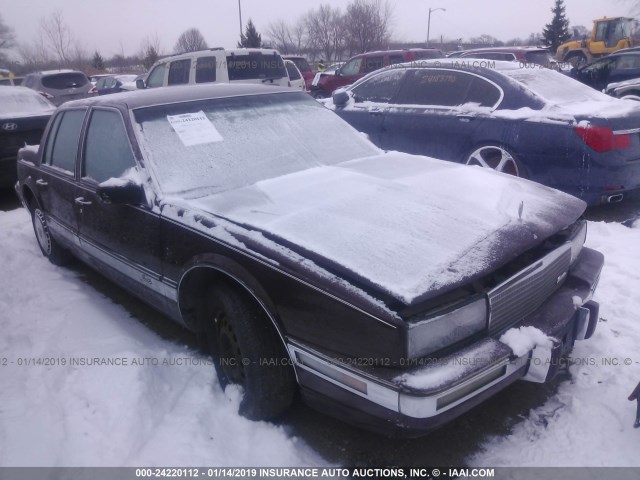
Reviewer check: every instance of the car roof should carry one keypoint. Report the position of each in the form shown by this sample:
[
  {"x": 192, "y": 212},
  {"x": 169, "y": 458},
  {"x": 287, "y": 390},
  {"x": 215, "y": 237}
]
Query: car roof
[
  {"x": 397, "y": 50},
  {"x": 176, "y": 94},
  {"x": 56, "y": 72},
  {"x": 509, "y": 49}
]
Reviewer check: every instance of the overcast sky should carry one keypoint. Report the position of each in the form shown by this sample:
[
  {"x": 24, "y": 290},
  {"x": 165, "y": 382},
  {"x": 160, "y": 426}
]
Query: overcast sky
[{"x": 111, "y": 26}]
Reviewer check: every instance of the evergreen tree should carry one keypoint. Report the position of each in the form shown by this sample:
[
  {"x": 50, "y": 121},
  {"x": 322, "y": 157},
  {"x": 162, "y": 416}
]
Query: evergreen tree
[
  {"x": 250, "y": 38},
  {"x": 557, "y": 32},
  {"x": 97, "y": 62},
  {"x": 151, "y": 56}
]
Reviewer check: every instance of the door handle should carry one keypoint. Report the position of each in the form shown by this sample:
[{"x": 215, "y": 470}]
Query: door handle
[
  {"x": 465, "y": 118},
  {"x": 41, "y": 182},
  {"x": 81, "y": 201}
]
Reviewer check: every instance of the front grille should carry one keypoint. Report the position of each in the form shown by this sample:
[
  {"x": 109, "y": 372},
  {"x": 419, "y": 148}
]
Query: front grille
[{"x": 519, "y": 296}]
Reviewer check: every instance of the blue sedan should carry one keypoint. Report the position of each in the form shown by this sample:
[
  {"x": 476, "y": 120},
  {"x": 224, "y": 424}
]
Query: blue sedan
[{"x": 518, "y": 119}]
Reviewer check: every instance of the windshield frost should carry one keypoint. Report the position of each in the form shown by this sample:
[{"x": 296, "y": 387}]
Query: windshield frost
[{"x": 245, "y": 140}]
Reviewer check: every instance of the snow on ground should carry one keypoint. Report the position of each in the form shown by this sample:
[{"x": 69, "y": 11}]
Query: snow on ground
[
  {"x": 589, "y": 421},
  {"x": 177, "y": 415},
  {"x": 108, "y": 415}
]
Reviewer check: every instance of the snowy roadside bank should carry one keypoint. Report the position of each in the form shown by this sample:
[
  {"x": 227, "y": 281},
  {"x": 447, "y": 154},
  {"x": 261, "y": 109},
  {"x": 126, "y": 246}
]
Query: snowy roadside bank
[{"x": 99, "y": 415}]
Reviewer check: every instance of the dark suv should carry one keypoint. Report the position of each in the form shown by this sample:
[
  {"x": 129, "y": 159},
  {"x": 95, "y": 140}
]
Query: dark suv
[{"x": 358, "y": 66}]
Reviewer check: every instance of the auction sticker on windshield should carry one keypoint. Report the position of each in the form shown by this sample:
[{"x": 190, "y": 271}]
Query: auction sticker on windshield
[{"x": 194, "y": 128}]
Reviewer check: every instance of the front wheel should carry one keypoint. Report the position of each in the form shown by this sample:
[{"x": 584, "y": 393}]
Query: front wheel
[
  {"x": 576, "y": 59},
  {"x": 248, "y": 352},
  {"x": 48, "y": 245},
  {"x": 497, "y": 158}
]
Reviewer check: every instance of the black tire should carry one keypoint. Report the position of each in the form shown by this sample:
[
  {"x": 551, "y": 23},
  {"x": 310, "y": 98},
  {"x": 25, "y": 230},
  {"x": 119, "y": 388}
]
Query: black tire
[
  {"x": 48, "y": 245},
  {"x": 576, "y": 59},
  {"x": 318, "y": 94},
  {"x": 248, "y": 351}
]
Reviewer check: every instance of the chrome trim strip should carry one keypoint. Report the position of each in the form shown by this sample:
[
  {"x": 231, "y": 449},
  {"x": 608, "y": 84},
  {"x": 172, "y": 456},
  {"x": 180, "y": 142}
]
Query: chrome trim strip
[
  {"x": 390, "y": 397},
  {"x": 273, "y": 267},
  {"x": 625, "y": 132},
  {"x": 135, "y": 272},
  {"x": 63, "y": 230}
]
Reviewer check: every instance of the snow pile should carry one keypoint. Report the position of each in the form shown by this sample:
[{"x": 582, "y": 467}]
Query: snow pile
[
  {"x": 524, "y": 339},
  {"x": 589, "y": 421},
  {"x": 125, "y": 414}
]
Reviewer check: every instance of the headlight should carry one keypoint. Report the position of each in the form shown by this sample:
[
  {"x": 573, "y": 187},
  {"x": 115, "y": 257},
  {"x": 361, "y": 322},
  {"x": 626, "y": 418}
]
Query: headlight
[
  {"x": 441, "y": 330},
  {"x": 577, "y": 241}
]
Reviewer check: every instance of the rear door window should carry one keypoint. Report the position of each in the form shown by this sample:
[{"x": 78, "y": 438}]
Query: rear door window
[
  {"x": 62, "y": 148},
  {"x": 483, "y": 93},
  {"x": 206, "y": 69},
  {"x": 179, "y": 72}
]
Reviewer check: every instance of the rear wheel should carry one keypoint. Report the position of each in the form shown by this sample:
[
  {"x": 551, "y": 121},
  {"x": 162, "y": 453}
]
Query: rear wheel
[
  {"x": 248, "y": 352},
  {"x": 497, "y": 158},
  {"x": 48, "y": 245}
]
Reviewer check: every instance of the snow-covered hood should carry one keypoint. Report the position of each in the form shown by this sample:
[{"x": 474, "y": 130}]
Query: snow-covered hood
[{"x": 406, "y": 226}]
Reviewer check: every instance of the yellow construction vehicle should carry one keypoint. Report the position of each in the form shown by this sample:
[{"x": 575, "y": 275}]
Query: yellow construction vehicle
[{"x": 609, "y": 35}]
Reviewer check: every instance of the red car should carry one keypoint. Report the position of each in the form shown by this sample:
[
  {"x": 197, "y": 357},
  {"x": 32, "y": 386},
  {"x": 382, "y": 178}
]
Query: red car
[
  {"x": 358, "y": 66},
  {"x": 304, "y": 67}
]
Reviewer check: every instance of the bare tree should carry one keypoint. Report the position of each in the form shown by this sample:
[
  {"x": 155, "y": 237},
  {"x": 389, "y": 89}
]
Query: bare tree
[
  {"x": 6, "y": 35},
  {"x": 299, "y": 37},
  {"x": 57, "y": 36},
  {"x": 190, "y": 41},
  {"x": 35, "y": 55},
  {"x": 367, "y": 25},
  {"x": 150, "y": 50},
  {"x": 486, "y": 39},
  {"x": 279, "y": 36},
  {"x": 325, "y": 32},
  {"x": 6, "y": 40}
]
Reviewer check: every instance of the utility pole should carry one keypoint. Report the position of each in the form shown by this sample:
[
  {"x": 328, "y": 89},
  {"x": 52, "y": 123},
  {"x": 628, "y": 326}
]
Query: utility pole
[
  {"x": 240, "y": 16},
  {"x": 429, "y": 21}
]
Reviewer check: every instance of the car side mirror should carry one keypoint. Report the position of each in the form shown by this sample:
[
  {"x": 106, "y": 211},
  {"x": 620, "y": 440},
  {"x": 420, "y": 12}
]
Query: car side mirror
[
  {"x": 140, "y": 84},
  {"x": 341, "y": 98},
  {"x": 117, "y": 191}
]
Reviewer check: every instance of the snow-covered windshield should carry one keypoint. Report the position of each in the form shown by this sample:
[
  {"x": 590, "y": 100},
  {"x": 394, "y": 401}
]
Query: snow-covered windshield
[
  {"x": 553, "y": 86},
  {"x": 204, "y": 147}
]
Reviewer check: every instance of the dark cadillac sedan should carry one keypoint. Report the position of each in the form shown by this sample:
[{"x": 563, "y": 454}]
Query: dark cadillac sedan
[
  {"x": 517, "y": 118},
  {"x": 23, "y": 116},
  {"x": 378, "y": 285}
]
